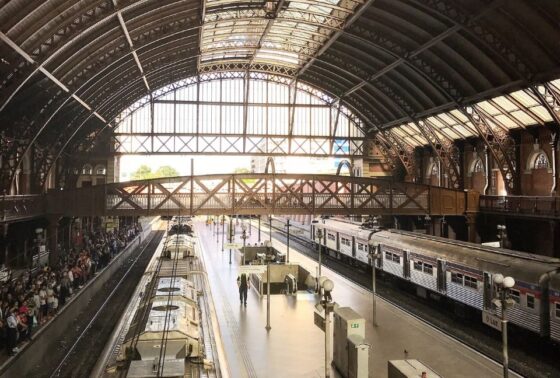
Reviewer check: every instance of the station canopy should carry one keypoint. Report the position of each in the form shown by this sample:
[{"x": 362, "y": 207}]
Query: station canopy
[{"x": 68, "y": 69}]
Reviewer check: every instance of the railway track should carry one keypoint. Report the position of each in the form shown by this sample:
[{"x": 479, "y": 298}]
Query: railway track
[
  {"x": 528, "y": 357},
  {"x": 82, "y": 346},
  {"x": 137, "y": 312}
]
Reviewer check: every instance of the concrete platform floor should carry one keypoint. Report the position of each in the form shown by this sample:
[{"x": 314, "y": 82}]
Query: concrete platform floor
[{"x": 294, "y": 347}]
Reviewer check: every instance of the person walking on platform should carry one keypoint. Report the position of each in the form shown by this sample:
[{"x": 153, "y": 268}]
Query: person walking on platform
[{"x": 243, "y": 284}]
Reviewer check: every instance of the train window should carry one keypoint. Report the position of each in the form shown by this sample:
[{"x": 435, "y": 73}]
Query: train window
[
  {"x": 530, "y": 301},
  {"x": 515, "y": 295},
  {"x": 396, "y": 258},
  {"x": 418, "y": 265},
  {"x": 471, "y": 282},
  {"x": 331, "y": 237},
  {"x": 360, "y": 247},
  {"x": 557, "y": 307},
  {"x": 429, "y": 269},
  {"x": 388, "y": 256},
  {"x": 457, "y": 278}
]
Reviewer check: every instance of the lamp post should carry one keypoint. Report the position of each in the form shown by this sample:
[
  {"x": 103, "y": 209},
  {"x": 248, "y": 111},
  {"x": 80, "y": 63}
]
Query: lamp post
[
  {"x": 270, "y": 227},
  {"x": 269, "y": 258},
  {"x": 328, "y": 305},
  {"x": 223, "y": 230},
  {"x": 288, "y": 241},
  {"x": 230, "y": 236},
  {"x": 428, "y": 224},
  {"x": 505, "y": 302},
  {"x": 319, "y": 234},
  {"x": 244, "y": 237},
  {"x": 374, "y": 255},
  {"x": 502, "y": 234},
  {"x": 259, "y": 228}
]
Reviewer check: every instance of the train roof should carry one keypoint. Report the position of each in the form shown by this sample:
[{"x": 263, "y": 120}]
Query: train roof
[
  {"x": 522, "y": 266},
  {"x": 555, "y": 282},
  {"x": 344, "y": 227}
]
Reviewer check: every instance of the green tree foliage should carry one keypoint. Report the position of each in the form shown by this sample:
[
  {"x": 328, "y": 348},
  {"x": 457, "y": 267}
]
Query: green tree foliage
[
  {"x": 144, "y": 172},
  {"x": 165, "y": 171}
]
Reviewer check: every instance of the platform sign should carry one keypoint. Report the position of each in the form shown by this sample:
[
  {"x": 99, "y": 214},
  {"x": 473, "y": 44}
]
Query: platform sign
[
  {"x": 319, "y": 320},
  {"x": 492, "y": 320},
  {"x": 233, "y": 246},
  {"x": 252, "y": 269}
]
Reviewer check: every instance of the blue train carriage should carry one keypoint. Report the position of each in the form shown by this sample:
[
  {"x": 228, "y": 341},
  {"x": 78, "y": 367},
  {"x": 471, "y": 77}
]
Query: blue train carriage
[
  {"x": 464, "y": 271},
  {"x": 554, "y": 306}
]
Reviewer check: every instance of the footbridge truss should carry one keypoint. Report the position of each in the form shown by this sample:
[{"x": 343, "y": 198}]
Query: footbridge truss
[{"x": 258, "y": 194}]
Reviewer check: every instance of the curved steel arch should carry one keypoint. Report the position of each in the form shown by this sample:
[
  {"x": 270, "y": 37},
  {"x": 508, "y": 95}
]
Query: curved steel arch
[
  {"x": 345, "y": 163},
  {"x": 270, "y": 163}
]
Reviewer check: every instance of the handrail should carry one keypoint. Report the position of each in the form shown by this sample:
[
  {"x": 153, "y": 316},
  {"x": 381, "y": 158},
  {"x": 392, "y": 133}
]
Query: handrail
[
  {"x": 542, "y": 206},
  {"x": 17, "y": 207}
]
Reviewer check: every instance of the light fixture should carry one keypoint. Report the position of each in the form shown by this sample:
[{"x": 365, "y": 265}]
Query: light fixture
[
  {"x": 508, "y": 282},
  {"x": 498, "y": 279}
]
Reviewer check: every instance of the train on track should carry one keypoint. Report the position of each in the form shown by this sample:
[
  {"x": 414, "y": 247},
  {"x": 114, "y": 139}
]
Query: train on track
[
  {"x": 168, "y": 333},
  {"x": 460, "y": 271}
]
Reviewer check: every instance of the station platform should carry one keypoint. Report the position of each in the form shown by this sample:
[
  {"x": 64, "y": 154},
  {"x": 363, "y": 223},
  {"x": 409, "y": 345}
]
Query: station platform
[{"x": 294, "y": 347}]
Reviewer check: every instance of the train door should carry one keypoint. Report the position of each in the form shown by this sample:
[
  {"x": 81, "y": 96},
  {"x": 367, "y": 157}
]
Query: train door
[
  {"x": 488, "y": 291},
  {"x": 337, "y": 242},
  {"x": 354, "y": 246},
  {"x": 314, "y": 234},
  {"x": 441, "y": 279},
  {"x": 406, "y": 265}
]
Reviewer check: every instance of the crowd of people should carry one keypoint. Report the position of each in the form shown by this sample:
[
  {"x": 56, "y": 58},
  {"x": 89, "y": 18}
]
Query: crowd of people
[{"x": 33, "y": 298}]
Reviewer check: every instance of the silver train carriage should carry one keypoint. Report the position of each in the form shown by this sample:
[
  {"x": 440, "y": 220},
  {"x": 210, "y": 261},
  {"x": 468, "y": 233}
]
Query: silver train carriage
[
  {"x": 345, "y": 239},
  {"x": 459, "y": 270},
  {"x": 173, "y": 317},
  {"x": 554, "y": 304},
  {"x": 179, "y": 246}
]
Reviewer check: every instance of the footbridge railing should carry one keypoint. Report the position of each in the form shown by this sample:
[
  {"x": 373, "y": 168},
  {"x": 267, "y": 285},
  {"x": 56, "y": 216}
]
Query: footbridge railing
[{"x": 261, "y": 194}]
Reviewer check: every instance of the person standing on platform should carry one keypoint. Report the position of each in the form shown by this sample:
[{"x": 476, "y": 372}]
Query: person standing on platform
[{"x": 243, "y": 284}]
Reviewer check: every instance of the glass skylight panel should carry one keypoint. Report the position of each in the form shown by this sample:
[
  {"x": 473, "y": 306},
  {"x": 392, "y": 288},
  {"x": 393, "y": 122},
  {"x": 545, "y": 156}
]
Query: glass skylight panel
[
  {"x": 436, "y": 122},
  {"x": 525, "y": 98},
  {"x": 311, "y": 23},
  {"x": 463, "y": 130},
  {"x": 505, "y": 104},
  {"x": 450, "y": 134},
  {"x": 506, "y": 121},
  {"x": 541, "y": 112},
  {"x": 399, "y": 132},
  {"x": 524, "y": 117},
  {"x": 488, "y": 108}
]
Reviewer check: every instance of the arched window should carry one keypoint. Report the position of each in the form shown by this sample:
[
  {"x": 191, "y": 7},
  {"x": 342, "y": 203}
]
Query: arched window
[
  {"x": 212, "y": 113},
  {"x": 87, "y": 169},
  {"x": 478, "y": 166},
  {"x": 100, "y": 170},
  {"x": 541, "y": 161}
]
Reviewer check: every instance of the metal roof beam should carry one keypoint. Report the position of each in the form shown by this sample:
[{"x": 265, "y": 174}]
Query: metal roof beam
[
  {"x": 50, "y": 76},
  {"x": 335, "y": 36},
  {"x": 131, "y": 45},
  {"x": 429, "y": 44}
]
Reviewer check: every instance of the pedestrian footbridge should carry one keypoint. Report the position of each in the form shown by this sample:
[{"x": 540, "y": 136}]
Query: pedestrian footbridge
[{"x": 254, "y": 194}]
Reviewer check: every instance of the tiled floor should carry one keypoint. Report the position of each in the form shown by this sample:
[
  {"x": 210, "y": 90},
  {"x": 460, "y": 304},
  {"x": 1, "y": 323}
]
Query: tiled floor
[{"x": 294, "y": 347}]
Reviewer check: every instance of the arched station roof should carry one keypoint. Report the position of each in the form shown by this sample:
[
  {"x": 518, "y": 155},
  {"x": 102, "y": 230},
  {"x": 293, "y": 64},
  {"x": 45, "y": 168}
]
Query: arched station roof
[{"x": 68, "y": 68}]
